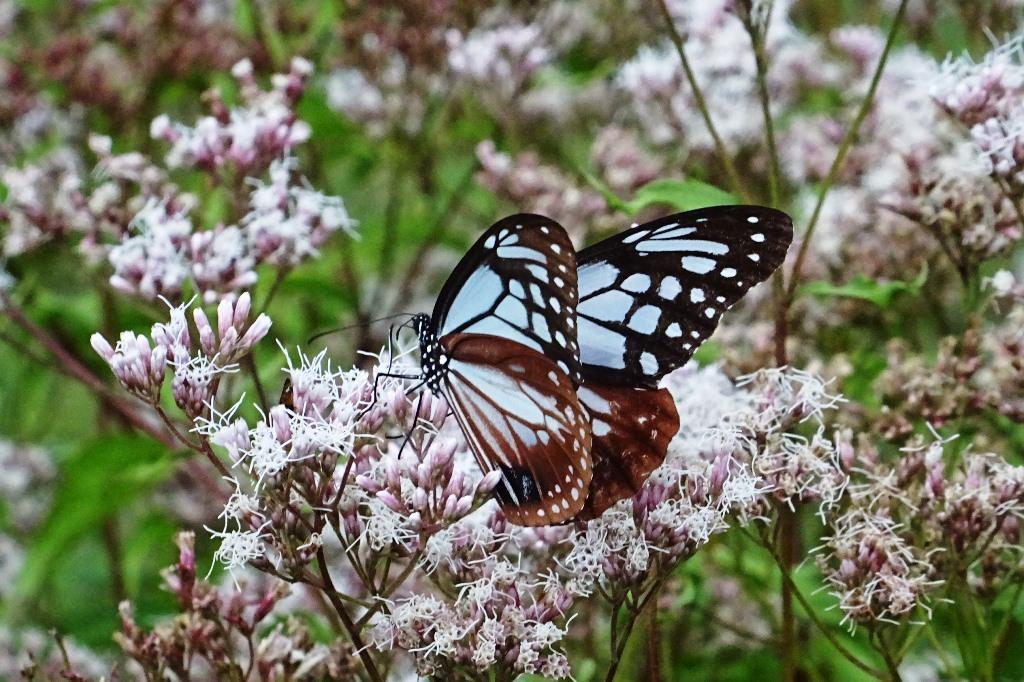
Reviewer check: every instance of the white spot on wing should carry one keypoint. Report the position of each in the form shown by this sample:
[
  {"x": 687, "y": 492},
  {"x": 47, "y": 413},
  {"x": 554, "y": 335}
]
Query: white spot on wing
[
  {"x": 638, "y": 283},
  {"x": 696, "y": 295},
  {"x": 645, "y": 319},
  {"x": 649, "y": 363},
  {"x": 697, "y": 264},
  {"x": 609, "y": 306},
  {"x": 670, "y": 288},
  {"x": 596, "y": 276},
  {"x": 520, "y": 253}
]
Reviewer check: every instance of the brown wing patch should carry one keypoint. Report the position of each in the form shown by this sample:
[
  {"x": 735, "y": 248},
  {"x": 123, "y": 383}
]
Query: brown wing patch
[
  {"x": 520, "y": 413},
  {"x": 631, "y": 430}
]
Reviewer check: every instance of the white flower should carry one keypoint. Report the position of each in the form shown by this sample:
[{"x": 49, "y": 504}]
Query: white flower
[
  {"x": 1002, "y": 283},
  {"x": 239, "y": 547}
]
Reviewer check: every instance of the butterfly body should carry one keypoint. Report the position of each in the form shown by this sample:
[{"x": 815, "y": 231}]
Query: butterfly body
[{"x": 433, "y": 359}]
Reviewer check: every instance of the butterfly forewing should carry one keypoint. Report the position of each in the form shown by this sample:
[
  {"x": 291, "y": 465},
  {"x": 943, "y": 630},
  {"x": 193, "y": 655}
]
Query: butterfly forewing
[
  {"x": 518, "y": 282},
  {"x": 521, "y": 415},
  {"x": 651, "y": 295}
]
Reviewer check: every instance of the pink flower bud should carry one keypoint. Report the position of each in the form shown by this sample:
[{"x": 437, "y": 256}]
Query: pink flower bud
[
  {"x": 392, "y": 502},
  {"x": 464, "y": 506},
  {"x": 241, "y": 312},
  {"x": 450, "y": 504},
  {"x": 368, "y": 484},
  {"x": 489, "y": 482},
  {"x": 225, "y": 314},
  {"x": 281, "y": 422},
  {"x": 102, "y": 347},
  {"x": 392, "y": 472},
  {"x": 207, "y": 339}
]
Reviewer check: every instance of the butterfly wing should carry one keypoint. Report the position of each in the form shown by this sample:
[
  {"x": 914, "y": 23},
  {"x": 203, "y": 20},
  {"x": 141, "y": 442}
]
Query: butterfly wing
[
  {"x": 631, "y": 430},
  {"x": 517, "y": 282},
  {"x": 520, "y": 414},
  {"x": 648, "y": 298},
  {"x": 651, "y": 295}
]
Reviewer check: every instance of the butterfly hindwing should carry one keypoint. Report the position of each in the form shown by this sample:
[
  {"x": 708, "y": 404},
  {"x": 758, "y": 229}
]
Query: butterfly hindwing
[
  {"x": 651, "y": 295},
  {"x": 517, "y": 282},
  {"x": 631, "y": 430},
  {"x": 520, "y": 414}
]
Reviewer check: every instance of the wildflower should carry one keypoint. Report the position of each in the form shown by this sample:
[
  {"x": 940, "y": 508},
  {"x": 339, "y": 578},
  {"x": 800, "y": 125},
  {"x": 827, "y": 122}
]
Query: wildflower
[
  {"x": 507, "y": 55},
  {"x": 137, "y": 367},
  {"x": 873, "y": 572},
  {"x": 247, "y": 138},
  {"x": 153, "y": 262},
  {"x": 195, "y": 382},
  {"x": 540, "y": 188},
  {"x": 287, "y": 224},
  {"x": 233, "y": 339},
  {"x": 239, "y": 547}
]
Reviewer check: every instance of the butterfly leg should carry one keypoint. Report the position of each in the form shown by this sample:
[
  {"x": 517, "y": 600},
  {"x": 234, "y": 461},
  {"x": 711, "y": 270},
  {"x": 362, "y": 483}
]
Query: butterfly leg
[{"x": 412, "y": 429}]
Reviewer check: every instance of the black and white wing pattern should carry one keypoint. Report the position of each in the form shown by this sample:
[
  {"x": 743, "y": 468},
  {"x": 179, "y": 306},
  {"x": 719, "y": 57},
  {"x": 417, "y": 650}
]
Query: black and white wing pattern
[
  {"x": 517, "y": 282},
  {"x": 651, "y": 295},
  {"x": 648, "y": 298},
  {"x": 501, "y": 347}
]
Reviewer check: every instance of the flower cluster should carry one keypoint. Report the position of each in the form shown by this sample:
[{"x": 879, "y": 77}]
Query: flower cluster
[
  {"x": 507, "y": 55},
  {"x": 130, "y": 214},
  {"x": 140, "y": 363},
  {"x": 243, "y": 139},
  {"x": 506, "y": 619},
  {"x": 224, "y": 631},
  {"x": 539, "y": 188},
  {"x": 876, "y": 575},
  {"x": 718, "y": 48}
]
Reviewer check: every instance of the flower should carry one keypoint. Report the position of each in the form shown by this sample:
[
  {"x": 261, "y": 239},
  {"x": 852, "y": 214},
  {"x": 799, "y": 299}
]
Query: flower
[
  {"x": 873, "y": 572},
  {"x": 247, "y": 138}
]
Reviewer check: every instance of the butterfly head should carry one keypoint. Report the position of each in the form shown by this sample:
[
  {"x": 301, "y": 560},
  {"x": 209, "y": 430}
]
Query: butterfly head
[{"x": 433, "y": 358}]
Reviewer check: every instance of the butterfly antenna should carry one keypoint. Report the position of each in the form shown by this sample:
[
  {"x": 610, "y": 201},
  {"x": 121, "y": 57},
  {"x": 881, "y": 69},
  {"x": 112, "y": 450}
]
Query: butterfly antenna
[
  {"x": 357, "y": 325},
  {"x": 388, "y": 374}
]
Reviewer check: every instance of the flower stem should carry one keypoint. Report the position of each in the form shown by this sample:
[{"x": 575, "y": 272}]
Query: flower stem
[
  {"x": 809, "y": 610},
  {"x": 787, "y": 554},
  {"x": 844, "y": 148},
  {"x": 698, "y": 95},
  {"x": 357, "y": 641}
]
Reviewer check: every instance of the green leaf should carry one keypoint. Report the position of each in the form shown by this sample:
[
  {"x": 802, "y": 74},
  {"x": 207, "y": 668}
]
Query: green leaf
[
  {"x": 971, "y": 636},
  {"x": 613, "y": 200},
  {"x": 104, "y": 476},
  {"x": 881, "y": 294},
  {"x": 682, "y": 195}
]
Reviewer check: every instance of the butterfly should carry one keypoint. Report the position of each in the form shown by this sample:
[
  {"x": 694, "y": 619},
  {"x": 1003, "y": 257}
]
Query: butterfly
[
  {"x": 572, "y": 416},
  {"x": 501, "y": 347},
  {"x": 649, "y": 297}
]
